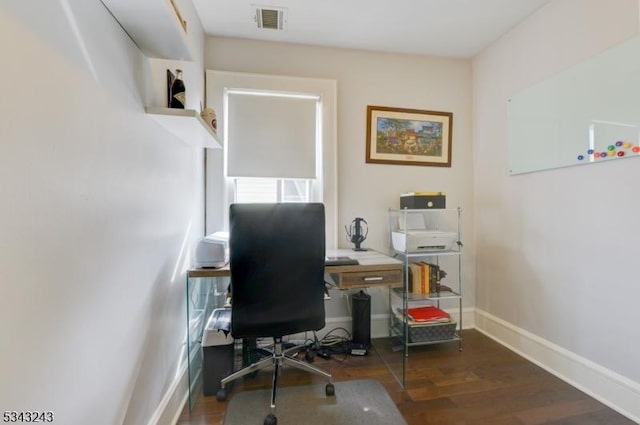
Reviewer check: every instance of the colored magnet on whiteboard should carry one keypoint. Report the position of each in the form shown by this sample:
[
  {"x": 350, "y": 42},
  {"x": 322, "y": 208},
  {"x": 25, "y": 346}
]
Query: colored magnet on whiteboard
[
  {"x": 619, "y": 143},
  {"x": 610, "y": 147},
  {"x": 580, "y": 157},
  {"x": 611, "y": 153},
  {"x": 626, "y": 145},
  {"x": 620, "y": 153},
  {"x": 590, "y": 151},
  {"x": 636, "y": 149}
]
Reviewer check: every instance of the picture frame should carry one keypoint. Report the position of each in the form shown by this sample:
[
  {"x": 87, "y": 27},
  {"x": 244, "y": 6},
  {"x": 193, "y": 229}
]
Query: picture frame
[{"x": 408, "y": 136}]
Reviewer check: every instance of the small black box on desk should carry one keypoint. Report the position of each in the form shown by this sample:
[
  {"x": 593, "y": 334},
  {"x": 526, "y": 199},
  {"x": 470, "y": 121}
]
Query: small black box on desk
[{"x": 423, "y": 200}]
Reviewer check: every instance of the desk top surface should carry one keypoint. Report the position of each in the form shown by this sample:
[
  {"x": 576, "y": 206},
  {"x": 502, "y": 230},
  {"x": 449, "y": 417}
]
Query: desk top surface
[{"x": 367, "y": 261}]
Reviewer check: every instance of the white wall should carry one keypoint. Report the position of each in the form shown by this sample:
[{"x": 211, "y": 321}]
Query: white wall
[
  {"x": 557, "y": 250},
  {"x": 369, "y": 78},
  {"x": 100, "y": 207}
]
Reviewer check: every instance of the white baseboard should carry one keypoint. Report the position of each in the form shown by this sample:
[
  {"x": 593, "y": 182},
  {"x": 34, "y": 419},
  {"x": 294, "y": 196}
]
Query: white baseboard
[
  {"x": 612, "y": 389},
  {"x": 170, "y": 407}
]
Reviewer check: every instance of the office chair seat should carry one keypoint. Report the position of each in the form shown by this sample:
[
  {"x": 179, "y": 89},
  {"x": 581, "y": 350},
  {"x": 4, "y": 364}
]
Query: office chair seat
[{"x": 277, "y": 254}]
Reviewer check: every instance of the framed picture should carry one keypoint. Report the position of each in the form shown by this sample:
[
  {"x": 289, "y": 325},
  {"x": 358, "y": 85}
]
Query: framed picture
[{"x": 408, "y": 136}]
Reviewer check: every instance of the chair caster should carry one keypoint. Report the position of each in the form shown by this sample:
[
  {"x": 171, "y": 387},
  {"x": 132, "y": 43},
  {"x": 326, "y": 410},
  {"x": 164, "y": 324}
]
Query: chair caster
[
  {"x": 221, "y": 394},
  {"x": 271, "y": 419},
  {"x": 330, "y": 390},
  {"x": 309, "y": 356}
]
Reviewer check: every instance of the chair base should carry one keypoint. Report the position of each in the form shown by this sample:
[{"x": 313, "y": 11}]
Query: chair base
[{"x": 277, "y": 359}]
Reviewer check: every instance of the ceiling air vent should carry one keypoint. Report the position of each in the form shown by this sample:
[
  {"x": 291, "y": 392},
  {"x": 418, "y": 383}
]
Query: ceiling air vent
[{"x": 269, "y": 17}]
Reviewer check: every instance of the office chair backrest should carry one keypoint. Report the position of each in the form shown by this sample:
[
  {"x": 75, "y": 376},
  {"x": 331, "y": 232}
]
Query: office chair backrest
[{"x": 277, "y": 254}]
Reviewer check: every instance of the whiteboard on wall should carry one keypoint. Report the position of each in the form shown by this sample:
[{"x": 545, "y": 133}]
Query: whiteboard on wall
[{"x": 587, "y": 114}]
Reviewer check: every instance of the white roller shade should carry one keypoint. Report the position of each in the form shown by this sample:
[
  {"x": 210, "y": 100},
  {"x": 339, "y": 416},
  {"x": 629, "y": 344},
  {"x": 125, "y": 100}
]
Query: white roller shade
[{"x": 271, "y": 136}]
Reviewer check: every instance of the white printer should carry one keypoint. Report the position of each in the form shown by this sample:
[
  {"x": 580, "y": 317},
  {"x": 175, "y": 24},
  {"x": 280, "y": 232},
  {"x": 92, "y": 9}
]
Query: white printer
[
  {"x": 413, "y": 236},
  {"x": 212, "y": 250}
]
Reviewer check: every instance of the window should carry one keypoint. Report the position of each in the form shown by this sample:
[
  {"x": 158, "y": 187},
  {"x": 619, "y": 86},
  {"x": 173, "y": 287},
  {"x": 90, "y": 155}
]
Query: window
[
  {"x": 271, "y": 190},
  {"x": 272, "y": 145},
  {"x": 291, "y": 161}
]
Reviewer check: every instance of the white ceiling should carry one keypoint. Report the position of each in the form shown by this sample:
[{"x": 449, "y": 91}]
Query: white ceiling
[{"x": 453, "y": 28}]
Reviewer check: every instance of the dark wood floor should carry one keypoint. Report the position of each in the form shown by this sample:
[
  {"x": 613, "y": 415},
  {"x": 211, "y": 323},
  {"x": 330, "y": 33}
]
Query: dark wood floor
[{"x": 485, "y": 384}]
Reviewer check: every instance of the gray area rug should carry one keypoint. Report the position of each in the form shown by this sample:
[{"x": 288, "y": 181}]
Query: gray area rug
[{"x": 361, "y": 402}]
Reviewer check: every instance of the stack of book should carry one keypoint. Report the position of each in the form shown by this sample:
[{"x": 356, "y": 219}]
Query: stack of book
[{"x": 424, "y": 278}]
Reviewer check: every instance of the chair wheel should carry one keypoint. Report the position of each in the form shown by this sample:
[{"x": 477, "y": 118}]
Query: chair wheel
[
  {"x": 221, "y": 394},
  {"x": 271, "y": 419},
  {"x": 309, "y": 356},
  {"x": 330, "y": 389}
]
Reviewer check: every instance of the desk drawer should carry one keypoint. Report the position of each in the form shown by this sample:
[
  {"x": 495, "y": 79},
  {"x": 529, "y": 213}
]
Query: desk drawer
[{"x": 370, "y": 278}]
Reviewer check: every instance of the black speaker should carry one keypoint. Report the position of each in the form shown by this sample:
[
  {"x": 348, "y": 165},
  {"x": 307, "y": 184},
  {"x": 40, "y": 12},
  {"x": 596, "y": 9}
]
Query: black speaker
[{"x": 361, "y": 319}]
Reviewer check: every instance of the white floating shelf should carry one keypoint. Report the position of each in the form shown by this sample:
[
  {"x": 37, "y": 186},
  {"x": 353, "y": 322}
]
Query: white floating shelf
[
  {"x": 187, "y": 125},
  {"x": 157, "y": 27}
]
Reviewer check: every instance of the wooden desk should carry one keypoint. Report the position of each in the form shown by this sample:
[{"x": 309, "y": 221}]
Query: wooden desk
[{"x": 374, "y": 269}]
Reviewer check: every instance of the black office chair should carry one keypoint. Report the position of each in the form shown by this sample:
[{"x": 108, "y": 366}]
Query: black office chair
[{"x": 277, "y": 254}]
